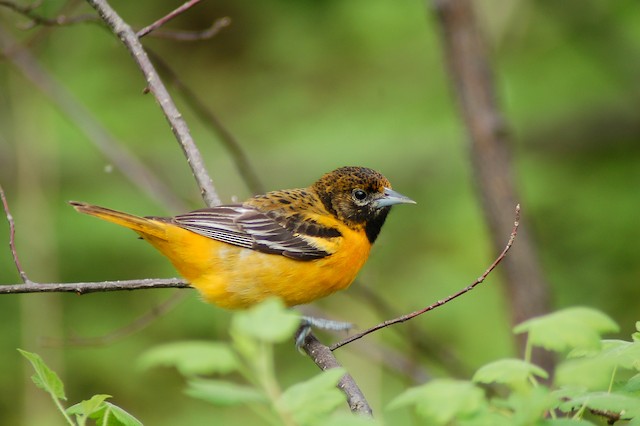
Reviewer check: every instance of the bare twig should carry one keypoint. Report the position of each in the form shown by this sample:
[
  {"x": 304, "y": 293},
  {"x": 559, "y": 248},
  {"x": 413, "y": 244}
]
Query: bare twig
[
  {"x": 210, "y": 32},
  {"x": 138, "y": 324},
  {"x": 60, "y": 20},
  {"x": 115, "y": 151},
  {"x": 207, "y": 116},
  {"x": 160, "y": 22},
  {"x": 93, "y": 287},
  {"x": 439, "y": 303},
  {"x": 324, "y": 359},
  {"x": 472, "y": 78},
  {"x": 12, "y": 239},
  {"x": 176, "y": 121}
]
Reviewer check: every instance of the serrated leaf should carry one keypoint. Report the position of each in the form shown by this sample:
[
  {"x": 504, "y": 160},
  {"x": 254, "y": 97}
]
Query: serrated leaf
[
  {"x": 311, "y": 401},
  {"x": 221, "y": 392},
  {"x": 628, "y": 407},
  {"x": 589, "y": 373},
  {"x": 269, "y": 321},
  {"x": 442, "y": 400},
  {"x": 88, "y": 407},
  {"x": 512, "y": 372},
  {"x": 567, "y": 329},
  {"x": 45, "y": 378},
  {"x": 192, "y": 358}
]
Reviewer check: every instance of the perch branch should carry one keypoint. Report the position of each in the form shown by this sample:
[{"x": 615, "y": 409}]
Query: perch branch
[
  {"x": 323, "y": 357},
  {"x": 177, "y": 123},
  {"x": 93, "y": 287},
  {"x": 439, "y": 303}
]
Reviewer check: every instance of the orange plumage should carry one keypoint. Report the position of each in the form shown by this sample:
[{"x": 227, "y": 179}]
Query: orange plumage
[{"x": 299, "y": 244}]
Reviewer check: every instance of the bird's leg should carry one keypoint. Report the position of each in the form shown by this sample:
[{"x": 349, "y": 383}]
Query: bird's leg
[{"x": 307, "y": 323}]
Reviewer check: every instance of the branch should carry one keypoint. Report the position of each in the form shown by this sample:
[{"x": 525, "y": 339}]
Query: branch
[
  {"x": 323, "y": 357},
  {"x": 160, "y": 22},
  {"x": 12, "y": 239},
  {"x": 210, "y": 32},
  {"x": 439, "y": 303},
  {"x": 60, "y": 20},
  {"x": 155, "y": 85},
  {"x": 93, "y": 287},
  {"x": 472, "y": 78}
]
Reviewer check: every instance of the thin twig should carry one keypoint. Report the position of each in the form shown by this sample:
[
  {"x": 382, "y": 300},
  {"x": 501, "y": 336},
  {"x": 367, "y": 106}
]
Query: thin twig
[
  {"x": 439, "y": 303},
  {"x": 324, "y": 359},
  {"x": 160, "y": 22},
  {"x": 176, "y": 121},
  {"x": 136, "y": 325},
  {"x": 12, "y": 239},
  {"x": 93, "y": 287},
  {"x": 60, "y": 20},
  {"x": 178, "y": 35}
]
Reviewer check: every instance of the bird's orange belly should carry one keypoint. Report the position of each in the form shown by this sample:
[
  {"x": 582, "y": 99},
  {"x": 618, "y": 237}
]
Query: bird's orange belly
[{"x": 235, "y": 277}]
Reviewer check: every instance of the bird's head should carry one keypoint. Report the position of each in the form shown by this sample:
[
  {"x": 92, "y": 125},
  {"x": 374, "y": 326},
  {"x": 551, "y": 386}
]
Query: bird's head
[{"x": 359, "y": 196}]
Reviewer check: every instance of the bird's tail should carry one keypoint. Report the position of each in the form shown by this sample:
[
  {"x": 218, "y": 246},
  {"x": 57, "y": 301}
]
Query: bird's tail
[{"x": 143, "y": 226}]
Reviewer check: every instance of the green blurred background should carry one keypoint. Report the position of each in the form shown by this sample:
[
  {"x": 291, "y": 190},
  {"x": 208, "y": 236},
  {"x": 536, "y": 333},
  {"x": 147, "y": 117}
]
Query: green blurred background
[{"x": 308, "y": 86}]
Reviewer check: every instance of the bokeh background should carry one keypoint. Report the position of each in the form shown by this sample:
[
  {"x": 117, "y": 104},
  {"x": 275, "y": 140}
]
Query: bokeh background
[{"x": 305, "y": 87}]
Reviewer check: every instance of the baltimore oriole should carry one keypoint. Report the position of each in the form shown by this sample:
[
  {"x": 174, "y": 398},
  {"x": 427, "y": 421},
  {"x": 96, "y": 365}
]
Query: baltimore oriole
[{"x": 297, "y": 244}]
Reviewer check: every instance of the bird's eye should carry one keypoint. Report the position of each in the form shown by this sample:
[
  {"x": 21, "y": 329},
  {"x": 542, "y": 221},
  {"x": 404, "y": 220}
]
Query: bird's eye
[{"x": 359, "y": 194}]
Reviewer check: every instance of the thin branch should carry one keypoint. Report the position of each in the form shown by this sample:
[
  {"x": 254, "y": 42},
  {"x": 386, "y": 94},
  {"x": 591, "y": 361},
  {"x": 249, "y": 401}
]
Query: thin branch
[
  {"x": 489, "y": 138},
  {"x": 324, "y": 358},
  {"x": 136, "y": 325},
  {"x": 239, "y": 156},
  {"x": 439, "y": 303},
  {"x": 93, "y": 287},
  {"x": 58, "y": 21},
  {"x": 160, "y": 22},
  {"x": 176, "y": 121},
  {"x": 12, "y": 239},
  {"x": 177, "y": 35}
]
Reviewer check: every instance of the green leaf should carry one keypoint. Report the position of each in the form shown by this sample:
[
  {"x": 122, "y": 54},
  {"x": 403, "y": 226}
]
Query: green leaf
[
  {"x": 627, "y": 406},
  {"x": 88, "y": 407},
  {"x": 311, "y": 401},
  {"x": 595, "y": 368},
  {"x": 45, "y": 378},
  {"x": 270, "y": 321},
  {"x": 442, "y": 400},
  {"x": 192, "y": 358},
  {"x": 589, "y": 373},
  {"x": 636, "y": 336},
  {"x": 112, "y": 415},
  {"x": 104, "y": 412},
  {"x": 512, "y": 372},
  {"x": 221, "y": 392},
  {"x": 567, "y": 329}
]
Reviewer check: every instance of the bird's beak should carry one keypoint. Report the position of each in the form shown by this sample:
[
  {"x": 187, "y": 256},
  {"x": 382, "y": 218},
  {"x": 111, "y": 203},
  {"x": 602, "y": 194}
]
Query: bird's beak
[{"x": 392, "y": 197}]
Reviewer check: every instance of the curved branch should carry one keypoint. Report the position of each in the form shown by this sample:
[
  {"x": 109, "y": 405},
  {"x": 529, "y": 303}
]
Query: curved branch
[
  {"x": 178, "y": 125},
  {"x": 439, "y": 303}
]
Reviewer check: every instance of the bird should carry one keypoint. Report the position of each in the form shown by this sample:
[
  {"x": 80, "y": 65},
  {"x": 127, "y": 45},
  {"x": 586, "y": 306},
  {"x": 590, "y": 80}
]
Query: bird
[{"x": 296, "y": 244}]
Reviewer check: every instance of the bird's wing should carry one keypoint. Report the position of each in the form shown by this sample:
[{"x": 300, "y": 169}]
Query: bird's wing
[{"x": 245, "y": 226}]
